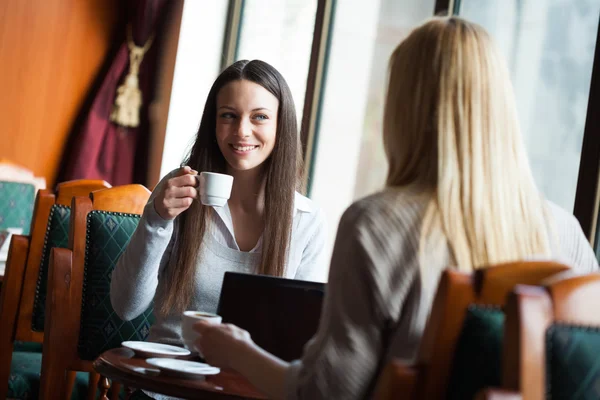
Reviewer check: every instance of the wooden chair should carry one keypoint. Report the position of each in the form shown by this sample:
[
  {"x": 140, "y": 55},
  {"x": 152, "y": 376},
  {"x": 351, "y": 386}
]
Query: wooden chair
[
  {"x": 553, "y": 339},
  {"x": 80, "y": 321},
  {"x": 22, "y": 298},
  {"x": 465, "y": 305}
]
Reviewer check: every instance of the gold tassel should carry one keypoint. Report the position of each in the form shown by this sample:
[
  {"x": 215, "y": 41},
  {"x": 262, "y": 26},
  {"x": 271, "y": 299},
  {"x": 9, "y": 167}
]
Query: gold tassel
[{"x": 126, "y": 110}]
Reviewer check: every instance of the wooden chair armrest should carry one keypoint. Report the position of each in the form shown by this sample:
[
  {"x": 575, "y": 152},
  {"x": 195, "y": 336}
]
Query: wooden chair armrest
[
  {"x": 396, "y": 379},
  {"x": 497, "y": 394},
  {"x": 10, "y": 298},
  {"x": 57, "y": 324}
]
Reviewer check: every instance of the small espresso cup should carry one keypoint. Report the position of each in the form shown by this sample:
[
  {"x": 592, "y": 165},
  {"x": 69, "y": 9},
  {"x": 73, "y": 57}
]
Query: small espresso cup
[
  {"x": 188, "y": 333},
  {"x": 214, "y": 188}
]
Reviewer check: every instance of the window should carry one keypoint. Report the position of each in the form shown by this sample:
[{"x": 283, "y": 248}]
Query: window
[
  {"x": 349, "y": 160},
  {"x": 549, "y": 46},
  {"x": 280, "y": 33},
  {"x": 197, "y": 65}
]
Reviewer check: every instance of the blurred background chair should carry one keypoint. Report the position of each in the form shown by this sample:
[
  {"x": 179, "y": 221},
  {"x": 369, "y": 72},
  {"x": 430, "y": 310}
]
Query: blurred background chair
[
  {"x": 22, "y": 300},
  {"x": 18, "y": 187}
]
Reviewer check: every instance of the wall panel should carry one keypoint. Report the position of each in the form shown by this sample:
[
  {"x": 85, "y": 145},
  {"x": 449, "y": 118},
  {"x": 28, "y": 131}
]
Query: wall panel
[{"x": 50, "y": 54}]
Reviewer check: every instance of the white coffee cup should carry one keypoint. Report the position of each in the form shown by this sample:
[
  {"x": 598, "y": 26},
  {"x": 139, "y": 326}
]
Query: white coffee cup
[
  {"x": 188, "y": 333},
  {"x": 214, "y": 188}
]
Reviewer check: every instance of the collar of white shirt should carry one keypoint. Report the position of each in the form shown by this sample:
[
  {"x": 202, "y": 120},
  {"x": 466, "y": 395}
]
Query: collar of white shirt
[{"x": 301, "y": 204}]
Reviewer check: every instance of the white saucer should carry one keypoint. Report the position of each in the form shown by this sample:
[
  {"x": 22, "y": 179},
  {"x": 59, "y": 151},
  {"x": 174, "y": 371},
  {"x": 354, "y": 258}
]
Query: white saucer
[
  {"x": 183, "y": 368},
  {"x": 151, "y": 349}
]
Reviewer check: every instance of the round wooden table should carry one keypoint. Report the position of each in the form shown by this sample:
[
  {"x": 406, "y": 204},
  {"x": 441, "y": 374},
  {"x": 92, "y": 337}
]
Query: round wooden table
[{"x": 120, "y": 365}]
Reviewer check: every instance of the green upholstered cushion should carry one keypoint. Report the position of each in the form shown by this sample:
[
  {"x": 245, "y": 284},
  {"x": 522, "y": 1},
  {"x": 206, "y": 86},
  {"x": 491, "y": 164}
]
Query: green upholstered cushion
[
  {"x": 478, "y": 354},
  {"x": 16, "y": 205},
  {"x": 24, "y": 378},
  {"x": 101, "y": 329},
  {"x": 28, "y": 346},
  {"x": 573, "y": 362},
  {"x": 57, "y": 235}
]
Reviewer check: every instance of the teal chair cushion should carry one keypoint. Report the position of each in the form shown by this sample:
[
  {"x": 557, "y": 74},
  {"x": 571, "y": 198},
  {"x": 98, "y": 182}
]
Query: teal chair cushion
[
  {"x": 16, "y": 205},
  {"x": 101, "y": 329},
  {"x": 573, "y": 362},
  {"x": 478, "y": 355},
  {"x": 24, "y": 378},
  {"x": 57, "y": 235}
]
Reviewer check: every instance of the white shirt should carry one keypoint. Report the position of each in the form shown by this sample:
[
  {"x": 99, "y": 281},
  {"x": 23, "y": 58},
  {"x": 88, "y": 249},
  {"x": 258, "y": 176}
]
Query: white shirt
[{"x": 223, "y": 225}]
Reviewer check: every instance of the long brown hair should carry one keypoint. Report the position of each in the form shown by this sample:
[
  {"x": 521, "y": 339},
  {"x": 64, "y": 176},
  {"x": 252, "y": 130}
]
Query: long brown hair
[
  {"x": 451, "y": 126},
  {"x": 281, "y": 171}
]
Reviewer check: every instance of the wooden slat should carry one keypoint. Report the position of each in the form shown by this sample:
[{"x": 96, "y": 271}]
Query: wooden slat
[
  {"x": 59, "y": 325},
  {"x": 9, "y": 303},
  {"x": 126, "y": 198}
]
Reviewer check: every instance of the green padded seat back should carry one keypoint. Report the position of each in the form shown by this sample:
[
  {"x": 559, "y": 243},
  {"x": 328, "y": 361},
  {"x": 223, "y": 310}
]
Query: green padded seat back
[
  {"x": 108, "y": 234},
  {"x": 573, "y": 362},
  {"x": 57, "y": 235},
  {"x": 16, "y": 205},
  {"x": 477, "y": 360}
]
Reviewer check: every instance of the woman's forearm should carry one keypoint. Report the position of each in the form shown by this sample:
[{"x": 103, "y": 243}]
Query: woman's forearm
[{"x": 265, "y": 371}]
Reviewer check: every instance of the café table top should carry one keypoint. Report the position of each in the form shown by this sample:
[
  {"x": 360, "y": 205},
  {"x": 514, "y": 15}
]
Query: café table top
[{"x": 120, "y": 365}]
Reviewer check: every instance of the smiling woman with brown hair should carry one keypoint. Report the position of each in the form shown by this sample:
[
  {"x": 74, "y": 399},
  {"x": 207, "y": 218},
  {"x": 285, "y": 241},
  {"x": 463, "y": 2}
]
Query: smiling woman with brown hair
[
  {"x": 459, "y": 193},
  {"x": 181, "y": 249}
]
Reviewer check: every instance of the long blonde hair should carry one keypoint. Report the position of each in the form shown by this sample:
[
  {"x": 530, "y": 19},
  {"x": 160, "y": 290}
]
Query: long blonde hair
[{"x": 450, "y": 126}]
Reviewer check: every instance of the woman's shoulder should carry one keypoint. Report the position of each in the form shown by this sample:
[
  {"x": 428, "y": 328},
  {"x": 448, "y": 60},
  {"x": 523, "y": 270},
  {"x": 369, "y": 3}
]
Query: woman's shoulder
[
  {"x": 565, "y": 226},
  {"x": 561, "y": 217},
  {"x": 384, "y": 229},
  {"x": 392, "y": 205},
  {"x": 573, "y": 246}
]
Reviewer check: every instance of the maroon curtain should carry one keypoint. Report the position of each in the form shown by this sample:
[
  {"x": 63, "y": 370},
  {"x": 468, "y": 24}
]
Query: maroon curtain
[{"x": 97, "y": 147}]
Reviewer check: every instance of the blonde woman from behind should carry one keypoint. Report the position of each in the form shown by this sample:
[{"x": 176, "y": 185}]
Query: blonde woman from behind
[{"x": 459, "y": 193}]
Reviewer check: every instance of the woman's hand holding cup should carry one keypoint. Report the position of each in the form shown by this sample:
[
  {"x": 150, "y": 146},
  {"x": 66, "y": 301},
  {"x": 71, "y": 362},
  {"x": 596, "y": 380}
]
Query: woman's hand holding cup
[
  {"x": 177, "y": 194},
  {"x": 188, "y": 333}
]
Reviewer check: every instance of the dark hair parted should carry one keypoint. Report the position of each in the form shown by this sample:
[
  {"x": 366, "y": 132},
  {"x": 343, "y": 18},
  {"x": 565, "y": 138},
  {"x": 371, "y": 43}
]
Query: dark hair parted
[{"x": 282, "y": 172}]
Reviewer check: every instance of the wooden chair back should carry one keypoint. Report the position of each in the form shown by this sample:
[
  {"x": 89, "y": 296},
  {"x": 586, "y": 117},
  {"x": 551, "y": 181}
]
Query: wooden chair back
[
  {"x": 530, "y": 312},
  {"x": 456, "y": 291},
  {"x": 64, "y": 341},
  {"x": 24, "y": 281}
]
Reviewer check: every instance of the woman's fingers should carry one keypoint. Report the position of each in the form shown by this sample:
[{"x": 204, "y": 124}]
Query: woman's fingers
[
  {"x": 184, "y": 202},
  {"x": 186, "y": 170},
  {"x": 183, "y": 180},
  {"x": 178, "y": 192}
]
